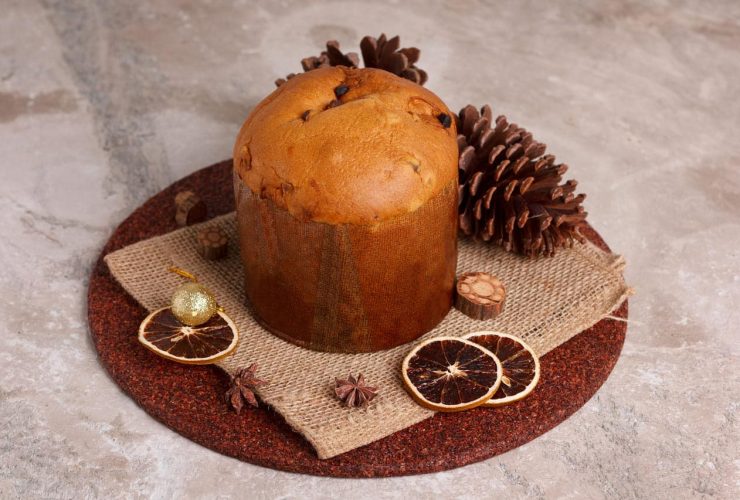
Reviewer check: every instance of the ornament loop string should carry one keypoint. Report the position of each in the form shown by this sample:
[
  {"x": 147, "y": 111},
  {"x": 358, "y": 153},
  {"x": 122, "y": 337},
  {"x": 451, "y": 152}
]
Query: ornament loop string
[{"x": 183, "y": 273}]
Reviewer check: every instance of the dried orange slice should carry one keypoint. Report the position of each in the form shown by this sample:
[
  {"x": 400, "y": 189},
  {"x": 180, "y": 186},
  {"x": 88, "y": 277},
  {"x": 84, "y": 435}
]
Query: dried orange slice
[
  {"x": 162, "y": 333},
  {"x": 519, "y": 362},
  {"x": 451, "y": 374}
]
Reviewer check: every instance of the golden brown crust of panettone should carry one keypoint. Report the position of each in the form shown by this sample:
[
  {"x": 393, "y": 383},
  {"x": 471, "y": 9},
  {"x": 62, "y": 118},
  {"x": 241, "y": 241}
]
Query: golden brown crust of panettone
[{"x": 381, "y": 153}]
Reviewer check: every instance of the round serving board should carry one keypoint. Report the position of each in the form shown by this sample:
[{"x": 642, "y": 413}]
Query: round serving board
[{"x": 189, "y": 399}]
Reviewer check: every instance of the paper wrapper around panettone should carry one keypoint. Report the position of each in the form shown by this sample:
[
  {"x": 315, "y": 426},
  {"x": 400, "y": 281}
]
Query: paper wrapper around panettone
[{"x": 348, "y": 288}]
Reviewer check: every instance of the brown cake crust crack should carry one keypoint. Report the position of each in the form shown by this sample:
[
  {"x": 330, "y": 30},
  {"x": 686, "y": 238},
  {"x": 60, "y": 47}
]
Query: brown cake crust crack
[{"x": 372, "y": 151}]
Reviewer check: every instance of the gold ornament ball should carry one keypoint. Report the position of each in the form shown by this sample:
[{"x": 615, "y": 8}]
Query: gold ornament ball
[{"x": 193, "y": 304}]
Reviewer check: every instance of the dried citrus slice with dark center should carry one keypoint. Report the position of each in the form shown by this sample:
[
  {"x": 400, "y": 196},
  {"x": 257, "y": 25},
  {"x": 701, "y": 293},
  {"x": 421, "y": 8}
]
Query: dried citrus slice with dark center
[
  {"x": 519, "y": 362},
  {"x": 451, "y": 374},
  {"x": 207, "y": 343}
]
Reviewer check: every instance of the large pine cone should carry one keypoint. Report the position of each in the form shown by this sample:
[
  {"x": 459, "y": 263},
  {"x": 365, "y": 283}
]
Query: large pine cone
[
  {"x": 382, "y": 53},
  {"x": 510, "y": 190}
]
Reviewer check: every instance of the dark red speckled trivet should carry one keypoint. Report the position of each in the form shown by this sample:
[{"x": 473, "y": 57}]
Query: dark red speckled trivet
[{"x": 189, "y": 399}]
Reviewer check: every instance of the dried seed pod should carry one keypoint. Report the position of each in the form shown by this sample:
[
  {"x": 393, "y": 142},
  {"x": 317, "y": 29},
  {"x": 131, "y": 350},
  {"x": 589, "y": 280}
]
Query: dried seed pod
[
  {"x": 354, "y": 392},
  {"x": 189, "y": 209},
  {"x": 479, "y": 295},
  {"x": 212, "y": 243}
]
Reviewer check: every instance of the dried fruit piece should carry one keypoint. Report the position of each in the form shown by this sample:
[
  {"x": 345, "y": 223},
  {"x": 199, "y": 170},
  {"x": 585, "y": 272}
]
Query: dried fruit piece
[
  {"x": 189, "y": 209},
  {"x": 162, "y": 333},
  {"x": 521, "y": 367},
  {"x": 212, "y": 243},
  {"x": 479, "y": 295},
  {"x": 445, "y": 120},
  {"x": 451, "y": 374},
  {"x": 341, "y": 90}
]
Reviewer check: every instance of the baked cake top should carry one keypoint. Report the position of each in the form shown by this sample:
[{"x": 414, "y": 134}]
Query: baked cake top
[{"x": 348, "y": 146}]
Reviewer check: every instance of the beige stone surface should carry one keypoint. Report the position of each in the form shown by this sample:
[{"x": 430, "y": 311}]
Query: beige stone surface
[{"x": 103, "y": 103}]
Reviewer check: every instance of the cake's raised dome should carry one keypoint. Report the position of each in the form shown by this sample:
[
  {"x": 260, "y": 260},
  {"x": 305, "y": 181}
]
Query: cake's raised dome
[{"x": 383, "y": 152}]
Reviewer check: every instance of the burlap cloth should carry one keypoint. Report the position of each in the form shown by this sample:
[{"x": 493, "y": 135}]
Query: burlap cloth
[{"x": 549, "y": 300}]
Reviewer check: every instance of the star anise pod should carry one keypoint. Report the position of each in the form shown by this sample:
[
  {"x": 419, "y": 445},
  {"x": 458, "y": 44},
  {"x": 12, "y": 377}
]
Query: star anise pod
[
  {"x": 243, "y": 383},
  {"x": 354, "y": 392}
]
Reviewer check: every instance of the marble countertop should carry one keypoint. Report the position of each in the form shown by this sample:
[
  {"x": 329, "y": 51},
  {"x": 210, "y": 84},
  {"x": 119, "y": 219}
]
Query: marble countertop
[{"x": 104, "y": 103}]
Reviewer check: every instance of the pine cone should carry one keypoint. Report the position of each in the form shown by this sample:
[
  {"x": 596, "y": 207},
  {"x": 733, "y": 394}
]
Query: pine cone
[
  {"x": 332, "y": 56},
  {"x": 385, "y": 54},
  {"x": 381, "y": 53},
  {"x": 510, "y": 190},
  {"x": 281, "y": 81}
]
